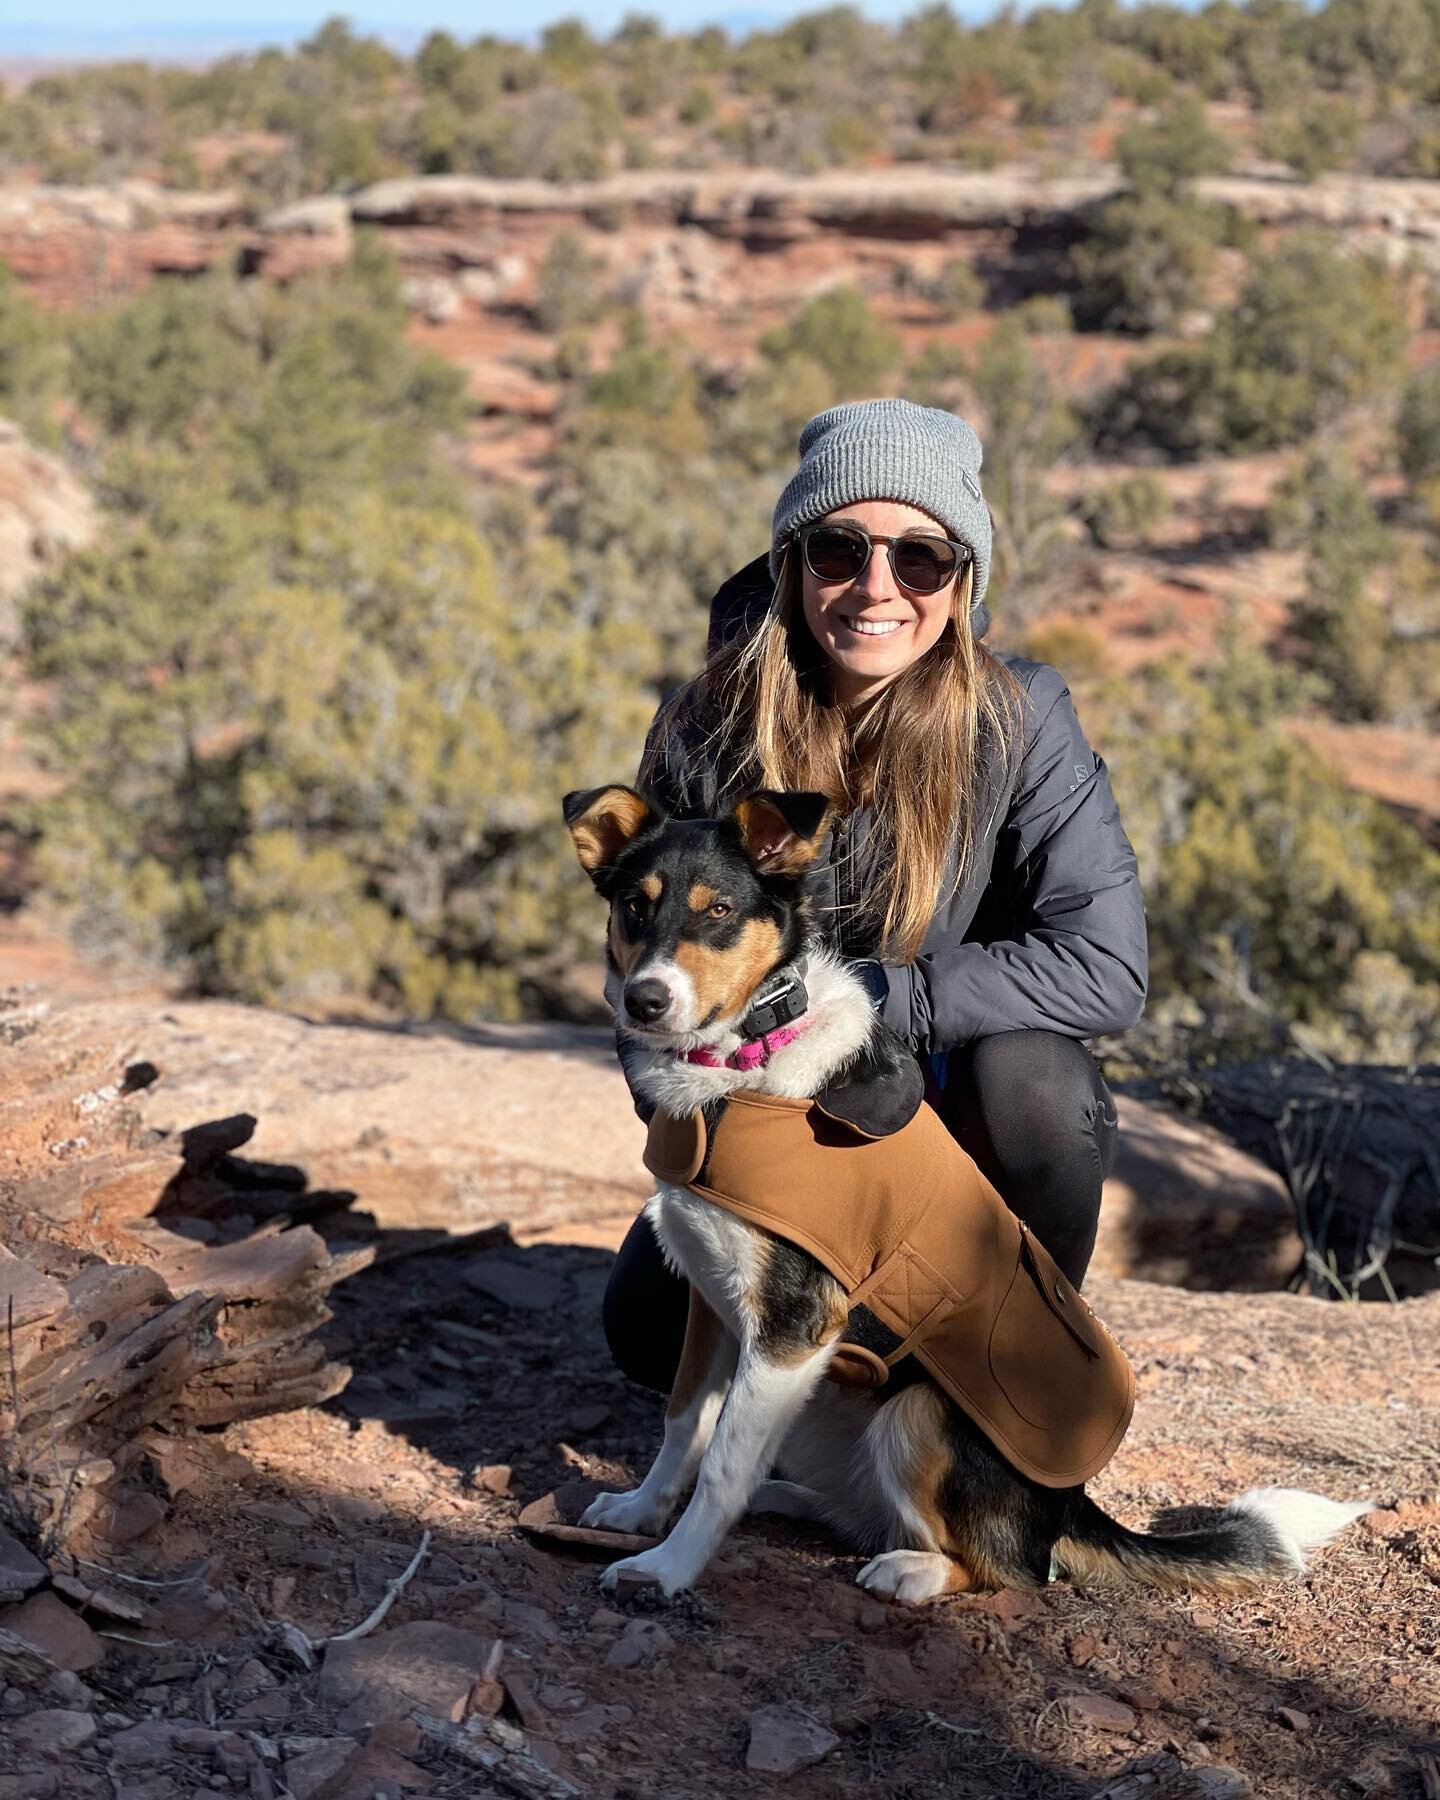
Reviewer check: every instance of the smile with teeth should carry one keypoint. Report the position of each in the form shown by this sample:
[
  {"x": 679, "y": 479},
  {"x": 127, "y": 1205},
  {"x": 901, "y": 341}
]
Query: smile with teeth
[{"x": 871, "y": 627}]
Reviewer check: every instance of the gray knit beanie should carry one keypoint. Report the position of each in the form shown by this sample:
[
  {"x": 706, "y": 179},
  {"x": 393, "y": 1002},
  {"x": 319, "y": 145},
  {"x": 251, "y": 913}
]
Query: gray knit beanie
[{"x": 888, "y": 450}]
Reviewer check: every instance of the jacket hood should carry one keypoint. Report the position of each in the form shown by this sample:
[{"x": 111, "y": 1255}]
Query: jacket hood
[{"x": 740, "y": 604}]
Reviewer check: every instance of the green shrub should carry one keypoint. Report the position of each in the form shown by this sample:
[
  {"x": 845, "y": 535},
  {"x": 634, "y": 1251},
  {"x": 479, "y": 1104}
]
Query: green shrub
[
  {"x": 1382, "y": 42},
  {"x": 646, "y": 396},
  {"x": 1125, "y": 511},
  {"x": 1367, "y": 618},
  {"x": 1028, "y": 429},
  {"x": 1194, "y": 48},
  {"x": 1042, "y": 315},
  {"x": 568, "y": 47},
  {"x": 1323, "y": 505},
  {"x": 1312, "y": 333},
  {"x": 1417, "y": 427},
  {"x": 1076, "y": 649},
  {"x": 1372, "y": 635},
  {"x": 1321, "y": 135},
  {"x": 849, "y": 136},
  {"x": 1063, "y": 94},
  {"x": 439, "y": 62},
  {"x": 441, "y": 143},
  {"x": 311, "y": 755},
  {"x": 179, "y": 358},
  {"x": 840, "y": 333},
  {"x": 1165, "y": 156},
  {"x": 1145, "y": 263},
  {"x": 32, "y": 359},
  {"x": 937, "y": 375},
  {"x": 1265, "y": 873},
  {"x": 697, "y": 104},
  {"x": 956, "y": 289},
  {"x": 758, "y": 426},
  {"x": 569, "y": 287}
]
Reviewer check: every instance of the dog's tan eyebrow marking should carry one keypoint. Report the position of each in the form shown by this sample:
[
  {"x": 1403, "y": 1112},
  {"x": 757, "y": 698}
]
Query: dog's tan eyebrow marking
[
  {"x": 701, "y": 896},
  {"x": 722, "y": 978},
  {"x": 651, "y": 886}
]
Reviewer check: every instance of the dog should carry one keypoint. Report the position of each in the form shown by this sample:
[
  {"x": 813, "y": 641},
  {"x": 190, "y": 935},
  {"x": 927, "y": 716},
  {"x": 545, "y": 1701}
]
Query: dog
[{"x": 707, "y": 918}]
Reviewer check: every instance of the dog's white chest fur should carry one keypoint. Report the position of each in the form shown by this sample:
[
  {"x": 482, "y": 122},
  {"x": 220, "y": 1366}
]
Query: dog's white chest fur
[{"x": 719, "y": 1253}]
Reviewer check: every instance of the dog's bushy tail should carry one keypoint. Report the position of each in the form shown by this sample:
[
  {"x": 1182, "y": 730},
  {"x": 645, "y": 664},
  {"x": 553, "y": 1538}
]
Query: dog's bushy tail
[{"x": 1261, "y": 1536}]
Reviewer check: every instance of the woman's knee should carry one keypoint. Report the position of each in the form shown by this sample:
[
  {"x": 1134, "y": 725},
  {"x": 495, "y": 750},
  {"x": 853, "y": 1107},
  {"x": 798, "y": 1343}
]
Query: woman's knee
[
  {"x": 644, "y": 1310},
  {"x": 1035, "y": 1091},
  {"x": 1033, "y": 1110}
]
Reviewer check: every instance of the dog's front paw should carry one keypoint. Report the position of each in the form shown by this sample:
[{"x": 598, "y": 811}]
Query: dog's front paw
[
  {"x": 913, "y": 1576},
  {"x": 634, "y": 1511},
  {"x": 651, "y": 1569}
]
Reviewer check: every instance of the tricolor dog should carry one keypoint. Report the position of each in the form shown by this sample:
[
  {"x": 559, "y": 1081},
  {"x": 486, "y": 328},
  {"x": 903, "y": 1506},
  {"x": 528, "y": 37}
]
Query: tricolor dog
[{"x": 978, "y": 1390}]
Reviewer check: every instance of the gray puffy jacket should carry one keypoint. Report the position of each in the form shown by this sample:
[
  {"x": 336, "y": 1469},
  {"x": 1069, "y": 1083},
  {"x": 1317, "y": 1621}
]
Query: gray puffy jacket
[{"x": 1048, "y": 933}]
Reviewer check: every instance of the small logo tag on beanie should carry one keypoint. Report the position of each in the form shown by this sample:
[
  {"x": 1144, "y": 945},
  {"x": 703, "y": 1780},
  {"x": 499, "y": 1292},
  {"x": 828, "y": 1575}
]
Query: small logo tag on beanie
[{"x": 970, "y": 482}]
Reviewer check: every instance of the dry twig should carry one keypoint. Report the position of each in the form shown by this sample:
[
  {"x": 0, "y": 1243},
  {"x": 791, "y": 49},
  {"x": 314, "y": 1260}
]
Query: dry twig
[{"x": 387, "y": 1599}]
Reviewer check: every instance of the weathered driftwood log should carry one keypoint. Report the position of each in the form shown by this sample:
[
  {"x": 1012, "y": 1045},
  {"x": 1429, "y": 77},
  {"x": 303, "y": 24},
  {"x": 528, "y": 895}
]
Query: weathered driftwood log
[
  {"x": 114, "y": 1324},
  {"x": 1357, "y": 1145}
]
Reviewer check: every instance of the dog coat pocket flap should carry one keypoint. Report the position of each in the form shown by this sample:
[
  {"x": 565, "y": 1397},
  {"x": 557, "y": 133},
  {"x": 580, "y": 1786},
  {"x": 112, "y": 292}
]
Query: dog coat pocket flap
[
  {"x": 675, "y": 1148},
  {"x": 1058, "y": 1293}
]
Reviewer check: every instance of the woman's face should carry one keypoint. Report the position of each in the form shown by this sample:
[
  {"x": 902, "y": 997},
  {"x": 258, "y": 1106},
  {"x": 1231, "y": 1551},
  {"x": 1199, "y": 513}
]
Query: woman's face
[{"x": 862, "y": 663}]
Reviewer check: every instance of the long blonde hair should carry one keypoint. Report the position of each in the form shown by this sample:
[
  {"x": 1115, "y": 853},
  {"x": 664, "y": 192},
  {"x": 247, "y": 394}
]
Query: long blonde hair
[{"x": 913, "y": 753}]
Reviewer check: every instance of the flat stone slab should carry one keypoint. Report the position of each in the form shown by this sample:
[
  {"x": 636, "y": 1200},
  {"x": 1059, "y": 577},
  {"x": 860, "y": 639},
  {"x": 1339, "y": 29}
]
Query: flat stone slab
[{"x": 550, "y": 1521}]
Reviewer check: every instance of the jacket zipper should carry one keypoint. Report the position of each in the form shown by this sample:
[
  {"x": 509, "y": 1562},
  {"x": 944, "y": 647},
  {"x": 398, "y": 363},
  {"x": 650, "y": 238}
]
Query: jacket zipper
[{"x": 837, "y": 856}]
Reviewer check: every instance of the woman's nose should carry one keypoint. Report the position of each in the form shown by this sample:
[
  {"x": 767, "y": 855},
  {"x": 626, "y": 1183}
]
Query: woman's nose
[{"x": 877, "y": 579}]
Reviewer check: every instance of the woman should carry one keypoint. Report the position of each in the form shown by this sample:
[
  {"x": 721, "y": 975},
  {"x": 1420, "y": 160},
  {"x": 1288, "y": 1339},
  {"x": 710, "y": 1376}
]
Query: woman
[{"x": 978, "y": 876}]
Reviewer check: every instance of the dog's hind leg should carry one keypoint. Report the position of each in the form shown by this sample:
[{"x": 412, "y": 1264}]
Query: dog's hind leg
[
  {"x": 707, "y": 1363},
  {"x": 764, "y": 1399},
  {"x": 907, "y": 1461},
  {"x": 785, "y": 1500}
]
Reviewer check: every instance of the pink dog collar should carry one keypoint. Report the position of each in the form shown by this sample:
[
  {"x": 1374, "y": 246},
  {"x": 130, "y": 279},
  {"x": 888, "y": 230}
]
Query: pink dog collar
[{"x": 754, "y": 1053}]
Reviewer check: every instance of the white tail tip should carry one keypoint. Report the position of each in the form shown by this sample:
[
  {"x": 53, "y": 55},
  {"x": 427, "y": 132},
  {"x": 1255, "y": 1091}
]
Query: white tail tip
[{"x": 1302, "y": 1521}]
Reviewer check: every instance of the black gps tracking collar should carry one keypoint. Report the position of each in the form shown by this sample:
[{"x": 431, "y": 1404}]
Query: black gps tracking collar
[{"x": 784, "y": 1001}]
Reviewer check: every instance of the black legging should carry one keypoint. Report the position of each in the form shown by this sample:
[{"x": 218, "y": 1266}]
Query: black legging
[{"x": 1033, "y": 1110}]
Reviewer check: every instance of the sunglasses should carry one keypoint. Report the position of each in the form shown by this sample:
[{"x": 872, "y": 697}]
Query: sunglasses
[{"x": 921, "y": 563}]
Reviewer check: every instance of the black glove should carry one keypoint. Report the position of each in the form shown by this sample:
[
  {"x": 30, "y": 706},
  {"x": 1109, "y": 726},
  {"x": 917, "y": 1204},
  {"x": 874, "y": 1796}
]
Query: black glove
[{"x": 871, "y": 975}]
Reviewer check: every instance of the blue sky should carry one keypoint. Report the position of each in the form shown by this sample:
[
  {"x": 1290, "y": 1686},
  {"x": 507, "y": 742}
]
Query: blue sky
[{"x": 171, "y": 27}]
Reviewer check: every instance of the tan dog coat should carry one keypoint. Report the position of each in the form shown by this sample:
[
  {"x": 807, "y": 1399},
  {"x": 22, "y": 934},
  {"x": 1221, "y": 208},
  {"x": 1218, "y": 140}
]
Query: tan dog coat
[{"x": 911, "y": 1229}]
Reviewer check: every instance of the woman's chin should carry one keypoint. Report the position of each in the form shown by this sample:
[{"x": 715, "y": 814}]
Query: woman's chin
[{"x": 869, "y": 661}]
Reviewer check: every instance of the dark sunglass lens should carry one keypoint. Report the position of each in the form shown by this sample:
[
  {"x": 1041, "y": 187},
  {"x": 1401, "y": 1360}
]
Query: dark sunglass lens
[
  {"x": 924, "y": 564},
  {"x": 835, "y": 555}
]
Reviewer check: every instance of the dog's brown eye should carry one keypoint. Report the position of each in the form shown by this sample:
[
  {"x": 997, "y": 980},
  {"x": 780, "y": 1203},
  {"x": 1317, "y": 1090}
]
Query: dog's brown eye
[{"x": 720, "y": 910}]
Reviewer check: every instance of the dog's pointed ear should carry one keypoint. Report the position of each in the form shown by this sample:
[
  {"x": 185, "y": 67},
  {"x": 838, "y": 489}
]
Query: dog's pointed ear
[
  {"x": 602, "y": 821},
  {"x": 781, "y": 832}
]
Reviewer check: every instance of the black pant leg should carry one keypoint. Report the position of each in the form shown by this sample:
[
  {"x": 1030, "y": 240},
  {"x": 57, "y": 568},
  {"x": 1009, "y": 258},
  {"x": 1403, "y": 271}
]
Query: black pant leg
[
  {"x": 1033, "y": 1110},
  {"x": 645, "y": 1309}
]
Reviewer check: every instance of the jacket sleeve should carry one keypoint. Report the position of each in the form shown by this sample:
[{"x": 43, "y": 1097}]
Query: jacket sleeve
[{"x": 1075, "y": 960}]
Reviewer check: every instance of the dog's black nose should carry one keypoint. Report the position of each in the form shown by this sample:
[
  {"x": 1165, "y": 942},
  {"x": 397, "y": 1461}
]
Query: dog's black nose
[{"x": 647, "y": 999}]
